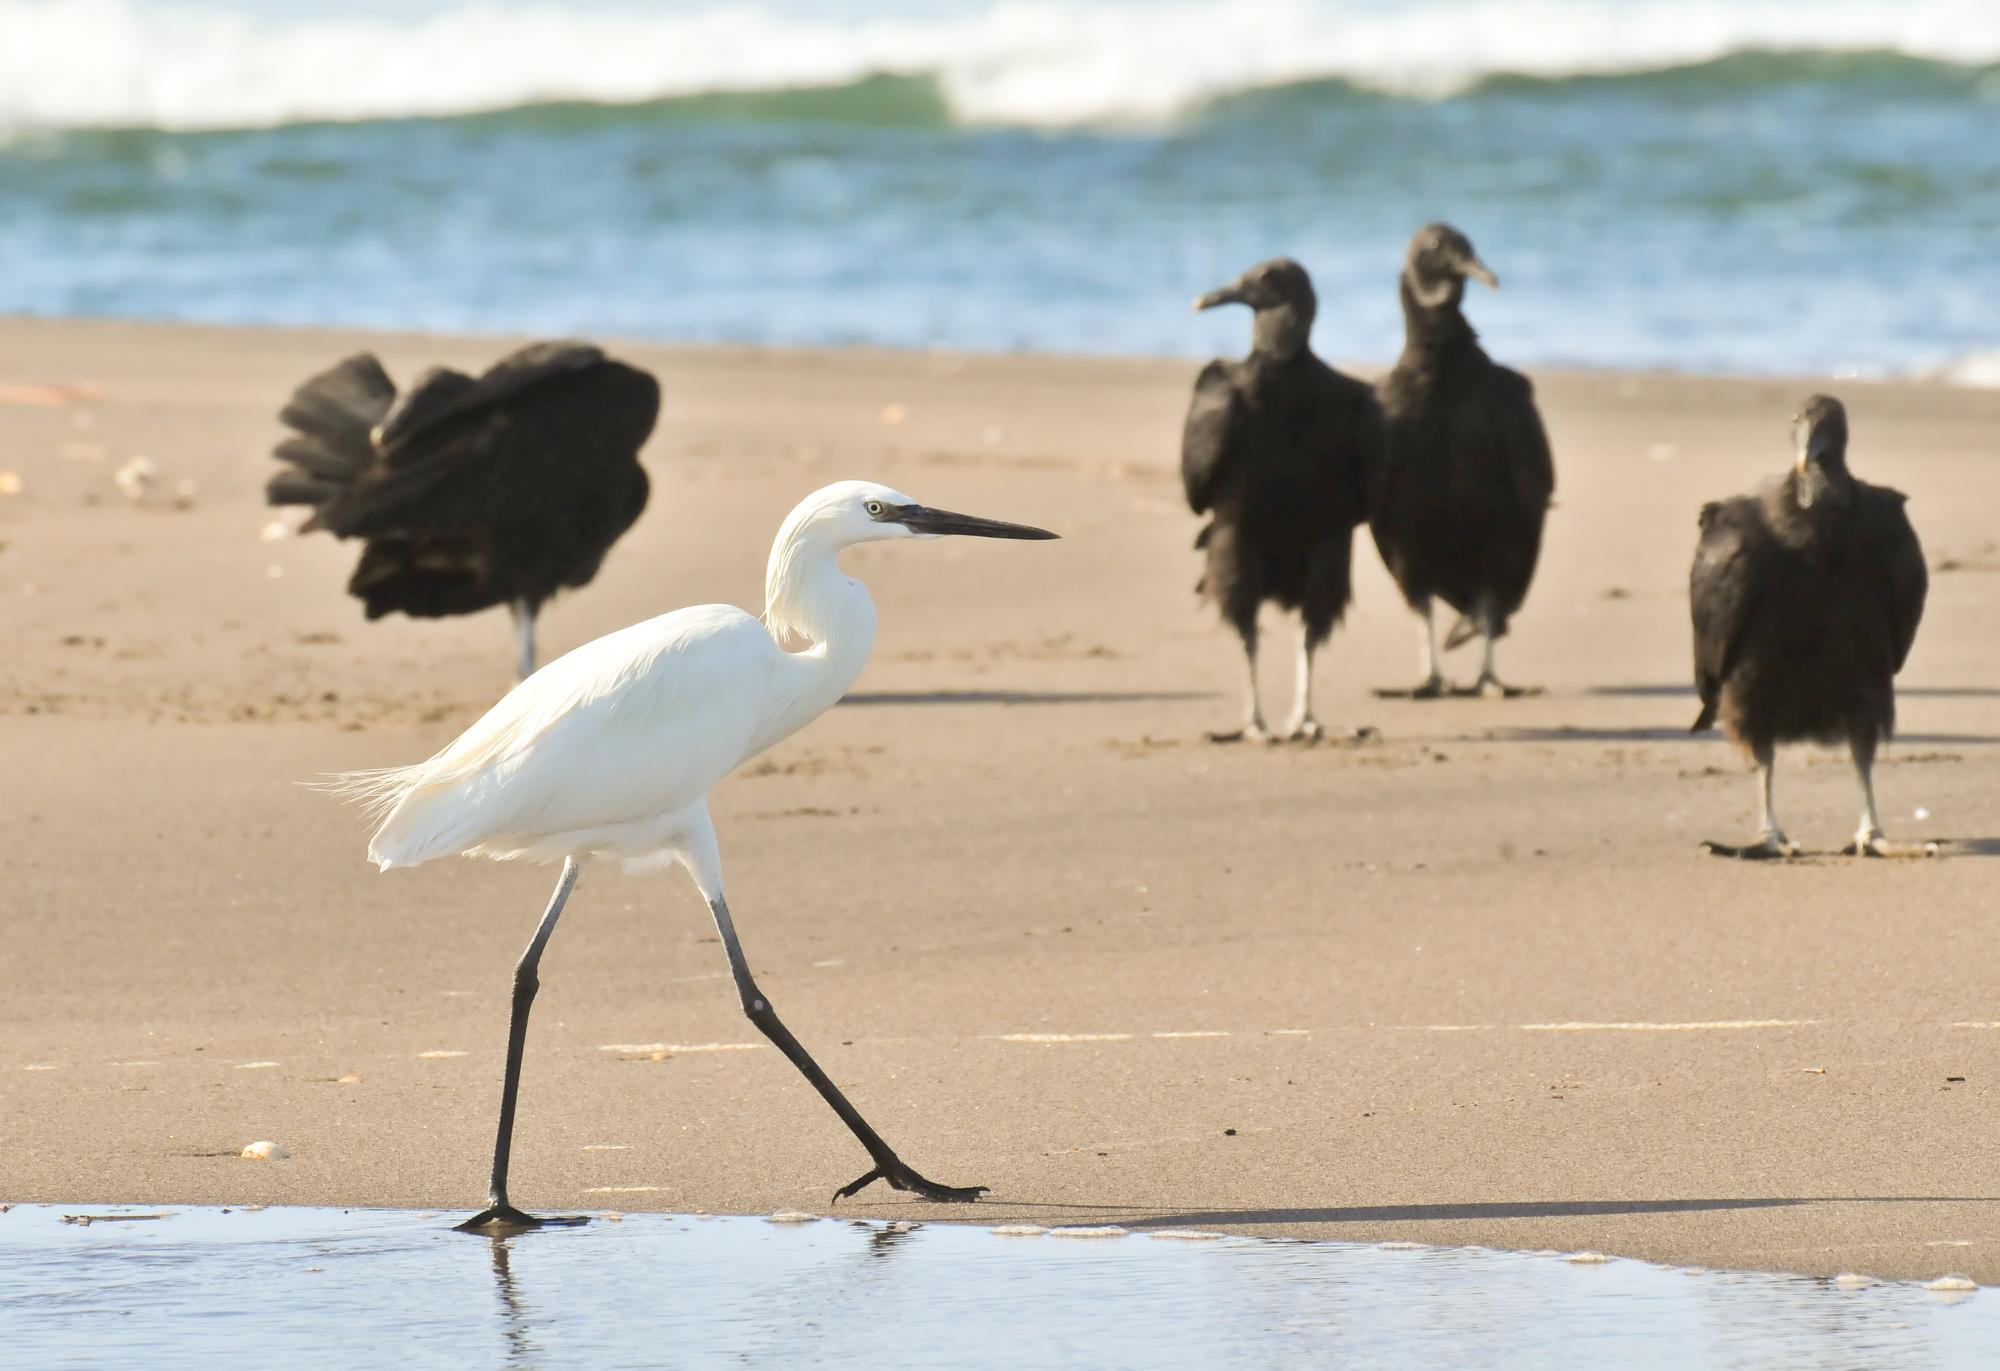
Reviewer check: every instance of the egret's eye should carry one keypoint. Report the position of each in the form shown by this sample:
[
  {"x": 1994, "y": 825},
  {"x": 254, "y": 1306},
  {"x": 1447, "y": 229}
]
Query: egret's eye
[{"x": 874, "y": 508}]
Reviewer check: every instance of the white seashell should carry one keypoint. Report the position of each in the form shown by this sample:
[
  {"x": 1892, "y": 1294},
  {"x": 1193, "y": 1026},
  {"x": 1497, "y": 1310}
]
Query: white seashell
[
  {"x": 135, "y": 476},
  {"x": 266, "y": 1151},
  {"x": 10, "y": 483},
  {"x": 275, "y": 532}
]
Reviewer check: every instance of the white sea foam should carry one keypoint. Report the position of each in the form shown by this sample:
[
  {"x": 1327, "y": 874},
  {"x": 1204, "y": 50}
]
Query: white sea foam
[
  {"x": 1980, "y": 370},
  {"x": 203, "y": 63}
]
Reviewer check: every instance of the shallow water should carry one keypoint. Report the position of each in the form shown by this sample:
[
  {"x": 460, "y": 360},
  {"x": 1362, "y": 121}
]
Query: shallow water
[{"x": 287, "y": 1287}]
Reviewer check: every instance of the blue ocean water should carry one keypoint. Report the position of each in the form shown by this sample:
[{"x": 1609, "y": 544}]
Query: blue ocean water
[{"x": 1763, "y": 186}]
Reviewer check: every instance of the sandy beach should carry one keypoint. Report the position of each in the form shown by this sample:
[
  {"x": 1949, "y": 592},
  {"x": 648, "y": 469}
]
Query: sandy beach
[{"x": 1469, "y": 982}]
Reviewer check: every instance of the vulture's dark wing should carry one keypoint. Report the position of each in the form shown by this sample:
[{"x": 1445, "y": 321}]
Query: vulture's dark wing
[
  {"x": 534, "y": 437},
  {"x": 331, "y": 417},
  {"x": 1208, "y": 440},
  {"x": 1907, "y": 580},
  {"x": 1523, "y": 441},
  {"x": 1722, "y": 594},
  {"x": 1365, "y": 457}
]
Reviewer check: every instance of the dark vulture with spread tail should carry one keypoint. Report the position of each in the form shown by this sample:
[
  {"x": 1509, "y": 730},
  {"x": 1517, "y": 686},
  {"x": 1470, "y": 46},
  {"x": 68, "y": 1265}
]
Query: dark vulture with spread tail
[
  {"x": 1806, "y": 598},
  {"x": 1279, "y": 451},
  {"x": 499, "y": 490},
  {"x": 1458, "y": 513}
]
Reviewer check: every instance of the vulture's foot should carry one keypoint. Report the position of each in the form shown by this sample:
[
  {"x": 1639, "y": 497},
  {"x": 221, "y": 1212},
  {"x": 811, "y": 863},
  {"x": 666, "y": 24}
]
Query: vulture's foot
[
  {"x": 1868, "y": 843},
  {"x": 1432, "y": 688},
  {"x": 1307, "y": 731},
  {"x": 1771, "y": 847},
  {"x": 1491, "y": 687},
  {"x": 1252, "y": 732}
]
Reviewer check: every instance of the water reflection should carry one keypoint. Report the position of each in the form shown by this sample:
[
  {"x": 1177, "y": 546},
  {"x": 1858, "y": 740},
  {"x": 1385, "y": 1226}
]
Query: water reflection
[{"x": 208, "y": 1288}]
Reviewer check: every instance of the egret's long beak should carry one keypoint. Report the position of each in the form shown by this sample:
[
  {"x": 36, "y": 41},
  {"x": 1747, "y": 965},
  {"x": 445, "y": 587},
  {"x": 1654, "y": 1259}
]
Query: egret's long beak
[
  {"x": 926, "y": 522},
  {"x": 1231, "y": 294},
  {"x": 1479, "y": 271}
]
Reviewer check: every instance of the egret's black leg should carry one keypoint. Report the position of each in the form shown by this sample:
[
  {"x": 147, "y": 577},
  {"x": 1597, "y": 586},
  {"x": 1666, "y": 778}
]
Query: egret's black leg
[
  {"x": 500, "y": 1215},
  {"x": 888, "y": 1166}
]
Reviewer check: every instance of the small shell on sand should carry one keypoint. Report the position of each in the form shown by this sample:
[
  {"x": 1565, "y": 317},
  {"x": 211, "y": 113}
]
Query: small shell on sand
[
  {"x": 136, "y": 476},
  {"x": 1109, "y": 1230},
  {"x": 794, "y": 1216},
  {"x": 265, "y": 1151},
  {"x": 1952, "y": 1283},
  {"x": 1586, "y": 1258},
  {"x": 10, "y": 483},
  {"x": 275, "y": 532},
  {"x": 1019, "y": 1230},
  {"x": 351, "y": 1078},
  {"x": 893, "y": 413}
]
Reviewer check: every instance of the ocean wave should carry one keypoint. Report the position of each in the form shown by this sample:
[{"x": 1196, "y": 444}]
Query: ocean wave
[{"x": 135, "y": 64}]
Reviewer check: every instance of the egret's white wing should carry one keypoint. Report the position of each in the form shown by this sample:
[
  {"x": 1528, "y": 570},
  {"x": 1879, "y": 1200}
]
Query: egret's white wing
[{"x": 632, "y": 726}]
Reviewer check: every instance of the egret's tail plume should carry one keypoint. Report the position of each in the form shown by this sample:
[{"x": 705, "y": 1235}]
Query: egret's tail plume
[
  {"x": 332, "y": 418},
  {"x": 378, "y": 792}
]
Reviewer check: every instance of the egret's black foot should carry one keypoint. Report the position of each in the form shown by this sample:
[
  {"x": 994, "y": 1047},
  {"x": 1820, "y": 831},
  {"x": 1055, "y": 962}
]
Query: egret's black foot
[
  {"x": 1432, "y": 689},
  {"x": 502, "y": 1219},
  {"x": 1763, "y": 850},
  {"x": 901, "y": 1177}
]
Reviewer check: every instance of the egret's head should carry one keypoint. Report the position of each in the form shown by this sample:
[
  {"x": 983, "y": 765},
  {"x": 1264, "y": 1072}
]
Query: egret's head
[
  {"x": 866, "y": 512},
  {"x": 839, "y": 516},
  {"x": 1439, "y": 261}
]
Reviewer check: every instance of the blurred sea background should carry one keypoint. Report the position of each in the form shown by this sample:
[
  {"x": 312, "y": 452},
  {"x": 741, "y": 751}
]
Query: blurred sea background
[{"x": 1745, "y": 186}]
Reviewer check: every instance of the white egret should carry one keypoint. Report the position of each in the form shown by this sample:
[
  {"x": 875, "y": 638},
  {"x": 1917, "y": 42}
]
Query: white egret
[{"x": 609, "y": 753}]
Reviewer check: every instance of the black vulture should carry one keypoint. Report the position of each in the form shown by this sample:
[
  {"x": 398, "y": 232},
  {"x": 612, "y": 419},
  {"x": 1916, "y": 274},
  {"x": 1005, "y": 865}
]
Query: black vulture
[
  {"x": 1458, "y": 512},
  {"x": 1806, "y": 598},
  {"x": 1279, "y": 451},
  {"x": 472, "y": 493}
]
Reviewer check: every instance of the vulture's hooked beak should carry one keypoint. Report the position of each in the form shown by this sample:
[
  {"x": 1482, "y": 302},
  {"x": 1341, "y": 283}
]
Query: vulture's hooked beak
[{"x": 1231, "y": 294}]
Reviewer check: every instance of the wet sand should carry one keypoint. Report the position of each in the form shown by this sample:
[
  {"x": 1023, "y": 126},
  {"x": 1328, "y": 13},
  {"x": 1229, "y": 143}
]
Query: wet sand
[{"x": 1470, "y": 983}]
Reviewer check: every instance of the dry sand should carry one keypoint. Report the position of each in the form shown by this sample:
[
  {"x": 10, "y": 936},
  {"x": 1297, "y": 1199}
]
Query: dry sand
[{"x": 1472, "y": 983}]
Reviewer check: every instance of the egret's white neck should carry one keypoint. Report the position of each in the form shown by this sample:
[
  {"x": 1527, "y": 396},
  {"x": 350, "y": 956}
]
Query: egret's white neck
[{"x": 807, "y": 596}]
